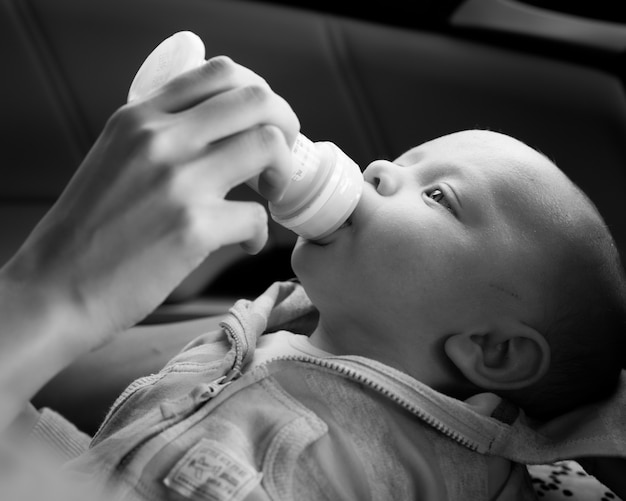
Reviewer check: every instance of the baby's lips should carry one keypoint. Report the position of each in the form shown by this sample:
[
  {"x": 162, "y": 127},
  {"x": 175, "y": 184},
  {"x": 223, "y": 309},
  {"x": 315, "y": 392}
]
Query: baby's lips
[{"x": 328, "y": 239}]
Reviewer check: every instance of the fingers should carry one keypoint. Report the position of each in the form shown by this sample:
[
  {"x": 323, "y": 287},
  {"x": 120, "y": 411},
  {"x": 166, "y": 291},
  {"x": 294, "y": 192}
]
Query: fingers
[
  {"x": 213, "y": 77},
  {"x": 234, "y": 111},
  {"x": 260, "y": 151},
  {"x": 197, "y": 189},
  {"x": 226, "y": 114},
  {"x": 208, "y": 105},
  {"x": 234, "y": 222},
  {"x": 211, "y": 129}
]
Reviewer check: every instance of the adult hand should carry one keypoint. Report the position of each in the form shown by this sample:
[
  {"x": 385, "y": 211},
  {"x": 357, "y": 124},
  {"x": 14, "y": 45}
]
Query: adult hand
[{"x": 146, "y": 206}]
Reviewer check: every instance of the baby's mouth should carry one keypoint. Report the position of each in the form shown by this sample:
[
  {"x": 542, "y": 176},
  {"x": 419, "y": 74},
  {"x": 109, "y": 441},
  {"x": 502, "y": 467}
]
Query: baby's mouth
[
  {"x": 331, "y": 237},
  {"x": 348, "y": 222}
]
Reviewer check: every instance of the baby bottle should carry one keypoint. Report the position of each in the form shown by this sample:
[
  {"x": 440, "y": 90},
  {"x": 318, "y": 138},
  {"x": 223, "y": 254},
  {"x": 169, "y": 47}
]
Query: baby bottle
[{"x": 325, "y": 184}]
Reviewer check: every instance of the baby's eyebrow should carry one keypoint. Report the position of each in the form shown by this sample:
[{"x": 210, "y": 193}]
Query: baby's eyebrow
[
  {"x": 505, "y": 290},
  {"x": 444, "y": 170}
]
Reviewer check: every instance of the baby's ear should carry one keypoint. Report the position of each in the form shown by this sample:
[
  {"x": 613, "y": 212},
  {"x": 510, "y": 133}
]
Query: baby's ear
[{"x": 510, "y": 357}]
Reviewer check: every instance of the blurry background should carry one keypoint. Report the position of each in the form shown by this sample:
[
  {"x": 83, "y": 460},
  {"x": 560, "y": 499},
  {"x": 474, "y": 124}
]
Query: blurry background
[{"x": 376, "y": 80}]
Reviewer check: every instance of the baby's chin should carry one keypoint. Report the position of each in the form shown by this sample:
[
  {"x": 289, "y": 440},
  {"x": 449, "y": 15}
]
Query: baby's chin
[
  {"x": 303, "y": 245},
  {"x": 306, "y": 258},
  {"x": 297, "y": 247}
]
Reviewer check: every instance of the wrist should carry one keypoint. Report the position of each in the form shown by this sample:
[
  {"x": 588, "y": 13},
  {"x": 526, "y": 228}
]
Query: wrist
[
  {"x": 37, "y": 340},
  {"x": 41, "y": 292}
]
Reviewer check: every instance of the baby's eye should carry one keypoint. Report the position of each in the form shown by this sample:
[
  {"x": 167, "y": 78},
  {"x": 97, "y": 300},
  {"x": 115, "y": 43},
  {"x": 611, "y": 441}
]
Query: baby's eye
[{"x": 440, "y": 197}]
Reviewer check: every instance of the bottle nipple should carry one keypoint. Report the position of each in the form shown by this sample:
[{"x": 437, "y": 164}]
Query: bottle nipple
[{"x": 325, "y": 184}]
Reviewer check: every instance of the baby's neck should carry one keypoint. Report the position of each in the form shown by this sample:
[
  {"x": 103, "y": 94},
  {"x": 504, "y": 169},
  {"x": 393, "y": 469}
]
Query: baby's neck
[{"x": 427, "y": 364}]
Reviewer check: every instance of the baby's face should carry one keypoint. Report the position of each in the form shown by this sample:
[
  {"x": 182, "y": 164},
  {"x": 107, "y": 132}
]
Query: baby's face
[{"x": 449, "y": 232}]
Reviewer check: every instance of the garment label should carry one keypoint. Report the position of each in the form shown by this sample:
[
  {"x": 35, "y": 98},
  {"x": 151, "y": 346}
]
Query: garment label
[{"x": 208, "y": 471}]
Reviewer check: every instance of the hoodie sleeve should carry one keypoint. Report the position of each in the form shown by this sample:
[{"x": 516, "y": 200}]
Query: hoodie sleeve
[{"x": 53, "y": 433}]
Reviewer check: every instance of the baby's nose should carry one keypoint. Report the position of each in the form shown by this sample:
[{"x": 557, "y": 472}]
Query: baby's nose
[{"x": 383, "y": 175}]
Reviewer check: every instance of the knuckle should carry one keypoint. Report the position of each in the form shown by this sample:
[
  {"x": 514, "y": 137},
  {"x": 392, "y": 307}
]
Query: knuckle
[
  {"x": 191, "y": 226},
  {"x": 265, "y": 144},
  {"x": 176, "y": 85},
  {"x": 269, "y": 138},
  {"x": 185, "y": 224},
  {"x": 145, "y": 135},
  {"x": 125, "y": 119},
  {"x": 166, "y": 181},
  {"x": 256, "y": 94},
  {"x": 229, "y": 73},
  {"x": 220, "y": 66},
  {"x": 154, "y": 143}
]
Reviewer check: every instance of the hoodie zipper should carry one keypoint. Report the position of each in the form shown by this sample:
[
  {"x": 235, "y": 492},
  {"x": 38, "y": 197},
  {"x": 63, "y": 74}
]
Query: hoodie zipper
[
  {"x": 359, "y": 377},
  {"x": 215, "y": 387},
  {"x": 352, "y": 374},
  {"x": 211, "y": 390},
  {"x": 135, "y": 386},
  {"x": 235, "y": 370}
]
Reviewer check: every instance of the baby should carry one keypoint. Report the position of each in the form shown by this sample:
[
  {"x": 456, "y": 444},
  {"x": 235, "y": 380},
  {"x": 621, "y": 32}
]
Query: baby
[
  {"x": 473, "y": 263},
  {"x": 471, "y": 267},
  {"x": 471, "y": 270}
]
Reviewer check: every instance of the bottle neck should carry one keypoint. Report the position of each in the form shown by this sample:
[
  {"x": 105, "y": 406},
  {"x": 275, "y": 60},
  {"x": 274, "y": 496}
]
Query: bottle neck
[{"x": 325, "y": 189}]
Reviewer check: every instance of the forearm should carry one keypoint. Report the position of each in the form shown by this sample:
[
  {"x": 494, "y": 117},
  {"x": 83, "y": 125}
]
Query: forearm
[
  {"x": 35, "y": 344},
  {"x": 146, "y": 206}
]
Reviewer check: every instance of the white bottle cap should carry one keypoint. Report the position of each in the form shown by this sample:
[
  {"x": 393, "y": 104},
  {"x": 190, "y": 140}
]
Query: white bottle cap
[{"x": 181, "y": 52}]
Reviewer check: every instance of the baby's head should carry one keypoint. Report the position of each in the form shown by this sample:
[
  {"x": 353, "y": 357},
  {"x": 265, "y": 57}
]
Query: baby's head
[{"x": 473, "y": 263}]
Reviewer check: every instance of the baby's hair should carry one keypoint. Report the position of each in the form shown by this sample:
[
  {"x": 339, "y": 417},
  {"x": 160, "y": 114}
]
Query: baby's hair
[{"x": 587, "y": 331}]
